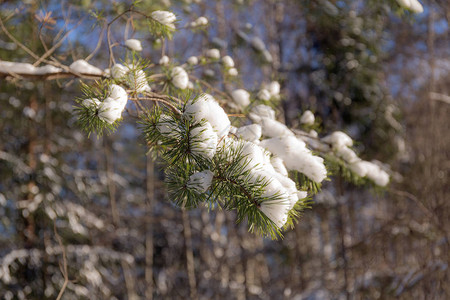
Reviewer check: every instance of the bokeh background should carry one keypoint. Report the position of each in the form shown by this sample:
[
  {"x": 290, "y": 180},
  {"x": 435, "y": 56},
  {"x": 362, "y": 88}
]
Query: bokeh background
[{"x": 369, "y": 68}]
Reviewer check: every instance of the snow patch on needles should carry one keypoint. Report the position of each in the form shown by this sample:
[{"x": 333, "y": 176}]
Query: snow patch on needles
[
  {"x": 276, "y": 210},
  {"x": 180, "y": 78},
  {"x": 200, "y": 181},
  {"x": 261, "y": 111},
  {"x": 273, "y": 128},
  {"x": 296, "y": 156},
  {"x": 258, "y": 162},
  {"x": 340, "y": 143},
  {"x": 412, "y": 5},
  {"x": 134, "y": 44},
  {"x": 193, "y": 60},
  {"x": 167, "y": 126},
  {"x": 204, "y": 140},
  {"x": 228, "y": 61},
  {"x": 201, "y": 21},
  {"x": 251, "y": 133},
  {"x": 206, "y": 107},
  {"x": 307, "y": 118},
  {"x": 338, "y": 139},
  {"x": 166, "y": 18},
  {"x": 164, "y": 61},
  {"x": 83, "y": 67},
  {"x": 213, "y": 53},
  {"x": 241, "y": 97},
  {"x": 136, "y": 79},
  {"x": 110, "y": 109},
  {"x": 370, "y": 170}
]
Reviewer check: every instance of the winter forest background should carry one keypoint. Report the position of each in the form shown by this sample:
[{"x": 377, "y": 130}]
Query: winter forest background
[{"x": 90, "y": 216}]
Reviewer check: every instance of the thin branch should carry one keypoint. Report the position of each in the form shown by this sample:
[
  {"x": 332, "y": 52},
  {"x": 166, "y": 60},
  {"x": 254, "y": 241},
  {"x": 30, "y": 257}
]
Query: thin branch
[
  {"x": 55, "y": 46},
  {"x": 25, "y": 48}
]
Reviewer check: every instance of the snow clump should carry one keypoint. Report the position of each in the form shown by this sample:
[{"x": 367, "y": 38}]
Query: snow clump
[
  {"x": 136, "y": 79},
  {"x": 164, "y": 61},
  {"x": 307, "y": 118},
  {"x": 228, "y": 61},
  {"x": 412, "y": 5},
  {"x": 82, "y": 66},
  {"x": 213, "y": 53},
  {"x": 110, "y": 109},
  {"x": 296, "y": 156},
  {"x": 201, "y": 21},
  {"x": 180, "y": 78},
  {"x": 200, "y": 181},
  {"x": 166, "y": 18},
  {"x": 251, "y": 133},
  {"x": 206, "y": 107},
  {"x": 134, "y": 44},
  {"x": 204, "y": 140},
  {"x": 193, "y": 60},
  {"x": 241, "y": 97}
]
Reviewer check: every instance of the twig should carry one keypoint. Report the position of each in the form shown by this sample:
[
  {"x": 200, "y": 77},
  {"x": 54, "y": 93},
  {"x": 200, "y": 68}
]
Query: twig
[
  {"x": 99, "y": 43},
  {"x": 55, "y": 46}
]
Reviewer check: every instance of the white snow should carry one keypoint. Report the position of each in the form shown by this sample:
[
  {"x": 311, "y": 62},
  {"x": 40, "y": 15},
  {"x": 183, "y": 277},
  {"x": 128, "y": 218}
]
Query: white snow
[
  {"x": 47, "y": 69},
  {"x": 167, "y": 126},
  {"x": 264, "y": 94},
  {"x": 338, "y": 139},
  {"x": 228, "y": 61},
  {"x": 213, "y": 53},
  {"x": 134, "y": 44},
  {"x": 274, "y": 88},
  {"x": 258, "y": 43},
  {"x": 296, "y": 156},
  {"x": 83, "y": 67},
  {"x": 204, "y": 140},
  {"x": 276, "y": 210},
  {"x": 180, "y": 78},
  {"x": 273, "y": 128},
  {"x": 206, "y": 107},
  {"x": 164, "y": 61},
  {"x": 110, "y": 109},
  {"x": 412, "y": 5},
  {"x": 347, "y": 154},
  {"x": 193, "y": 60},
  {"x": 91, "y": 103},
  {"x": 250, "y": 133},
  {"x": 164, "y": 17},
  {"x": 200, "y": 181},
  {"x": 138, "y": 81},
  {"x": 201, "y": 21},
  {"x": 119, "y": 71},
  {"x": 307, "y": 118},
  {"x": 241, "y": 97},
  {"x": 261, "y": 111},
  {"x": 26, "y": 68},
  {"x": 233, "y": 72},
  {"x": 278, "y": 165},
  {"x": 370, "y": 170}
]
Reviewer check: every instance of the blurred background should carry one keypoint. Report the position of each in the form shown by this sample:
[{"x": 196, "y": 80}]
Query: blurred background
[{"x": 369, "y": 68}]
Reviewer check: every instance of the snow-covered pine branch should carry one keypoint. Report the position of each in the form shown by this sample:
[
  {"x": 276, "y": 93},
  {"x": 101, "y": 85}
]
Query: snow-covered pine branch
[{"x": 262, "y": 169}]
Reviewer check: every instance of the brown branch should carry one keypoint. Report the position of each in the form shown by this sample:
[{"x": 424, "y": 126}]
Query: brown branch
[
  {"x": 55, "y": 46},
  {"x": 25, "y": 48}
]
